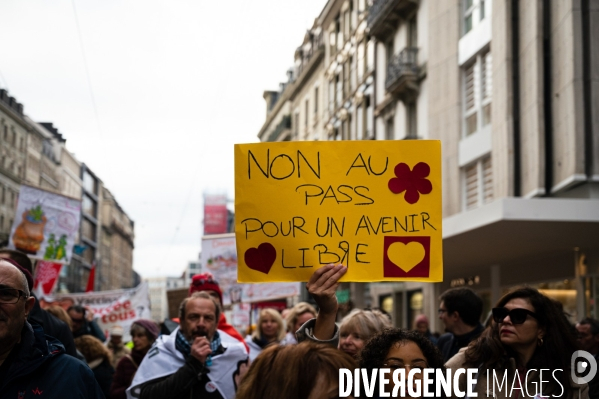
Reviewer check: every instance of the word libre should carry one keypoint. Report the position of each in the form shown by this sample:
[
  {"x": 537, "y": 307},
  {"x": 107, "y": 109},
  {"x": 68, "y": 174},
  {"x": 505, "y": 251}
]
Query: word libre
[{"x": 374, "y": 206}]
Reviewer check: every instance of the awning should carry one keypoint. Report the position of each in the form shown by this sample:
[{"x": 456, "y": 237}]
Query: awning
[{"x": 509, "y": 229}]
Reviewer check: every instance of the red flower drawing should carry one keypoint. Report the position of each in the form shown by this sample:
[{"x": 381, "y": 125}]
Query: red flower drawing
[{"x": 413, "y": 182}]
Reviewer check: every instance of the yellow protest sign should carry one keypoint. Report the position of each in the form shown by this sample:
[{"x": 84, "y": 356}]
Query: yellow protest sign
[{"x": 374, "y": 206}]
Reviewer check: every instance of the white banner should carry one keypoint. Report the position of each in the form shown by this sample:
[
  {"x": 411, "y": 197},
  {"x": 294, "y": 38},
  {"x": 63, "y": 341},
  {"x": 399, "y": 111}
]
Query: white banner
[
  {"x": 219, "y": 257},
  {"x": 113, "y": 308}
]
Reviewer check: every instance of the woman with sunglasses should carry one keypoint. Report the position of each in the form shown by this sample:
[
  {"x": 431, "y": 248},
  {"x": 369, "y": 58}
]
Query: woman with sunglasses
[
  {"x": 529, "y": 333},
  {"x": 396, "y": 348}
]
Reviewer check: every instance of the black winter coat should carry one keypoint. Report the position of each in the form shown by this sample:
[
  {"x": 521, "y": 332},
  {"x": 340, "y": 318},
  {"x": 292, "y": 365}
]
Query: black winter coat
[
  {"x": 39, "y": 368},
  {"x": 53, "y": 327}
]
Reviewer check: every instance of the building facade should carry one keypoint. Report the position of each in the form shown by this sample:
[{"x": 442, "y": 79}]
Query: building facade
[
  {"x": 158, "y": 288},
  {"x": 520, "y": 146},
  {"x": 117, "y": 244},
  {"x": 35, "y": 153},
  {"x": 14, "y": 132},
  {"x": 509, "y": 88}
]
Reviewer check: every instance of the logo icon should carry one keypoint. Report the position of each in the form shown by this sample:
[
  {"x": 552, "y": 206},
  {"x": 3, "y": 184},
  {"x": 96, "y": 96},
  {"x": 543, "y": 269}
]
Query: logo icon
[{"x": 583, "y": 367}]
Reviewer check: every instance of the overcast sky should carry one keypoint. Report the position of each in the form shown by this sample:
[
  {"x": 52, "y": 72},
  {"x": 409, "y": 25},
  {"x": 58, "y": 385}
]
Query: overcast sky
[{"x": 170, "y": 87}]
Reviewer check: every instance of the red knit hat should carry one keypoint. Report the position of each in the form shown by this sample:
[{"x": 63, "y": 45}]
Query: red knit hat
[{"x": 205, "y": 282}]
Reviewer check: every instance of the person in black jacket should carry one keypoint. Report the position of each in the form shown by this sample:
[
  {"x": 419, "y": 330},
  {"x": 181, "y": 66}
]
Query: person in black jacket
[
  {"x": 98, "y": 358},
  {"x": 83, "y": 323},
  {"x": 195, "y": 361},
  {"x": 33, "y": 364},
  {"x": 460, "y": 310},
  {"x": 52, "y": 326}
]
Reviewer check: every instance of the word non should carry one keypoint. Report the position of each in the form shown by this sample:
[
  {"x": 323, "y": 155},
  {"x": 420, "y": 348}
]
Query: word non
[{"x": 283, "y": 166}]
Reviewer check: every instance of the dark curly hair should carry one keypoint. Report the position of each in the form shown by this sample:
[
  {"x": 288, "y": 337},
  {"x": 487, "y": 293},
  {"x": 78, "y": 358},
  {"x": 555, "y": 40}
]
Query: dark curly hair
[
  {"x": 375, "y": 351},
  {"x": 559, "y": 342}
]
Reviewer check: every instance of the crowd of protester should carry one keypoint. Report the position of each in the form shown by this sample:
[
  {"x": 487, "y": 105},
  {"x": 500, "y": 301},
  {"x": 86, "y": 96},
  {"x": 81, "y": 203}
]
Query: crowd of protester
[{"x": 292, "y": 354}]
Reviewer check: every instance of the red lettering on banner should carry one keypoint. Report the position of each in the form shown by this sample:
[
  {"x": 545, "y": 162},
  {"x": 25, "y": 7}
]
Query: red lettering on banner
[{"x": 114, "y": 317}]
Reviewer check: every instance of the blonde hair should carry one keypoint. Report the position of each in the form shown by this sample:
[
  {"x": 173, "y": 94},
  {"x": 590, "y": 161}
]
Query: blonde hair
[
  {"x": 275, "y": 315},
  {"x": 365, "y": 323},
  {"x": 92, "y": 348},
  {"x": 298, "y": 310}
]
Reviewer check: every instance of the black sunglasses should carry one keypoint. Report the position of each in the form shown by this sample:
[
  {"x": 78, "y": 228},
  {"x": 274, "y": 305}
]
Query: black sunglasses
[{"x": 517, "y": 315}]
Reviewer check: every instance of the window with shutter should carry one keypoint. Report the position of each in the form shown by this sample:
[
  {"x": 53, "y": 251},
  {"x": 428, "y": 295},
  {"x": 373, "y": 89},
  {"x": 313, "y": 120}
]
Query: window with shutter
[
  {"x": 473, "y": 13},
  {"x": 478, "y": 183},
  {"x": 487, "y": 171},
  {"x": 471, "y": 186},
  {"x": 470, "y": 100},
  {"x": 486, "y": 88},
  {"x": 478, "y": 89}
]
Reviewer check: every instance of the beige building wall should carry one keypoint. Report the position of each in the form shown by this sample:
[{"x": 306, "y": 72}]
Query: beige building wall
[
  {"x": 278, "y": 125},
  {"x": 567, "y": 102},
  {"x": 307, "y": 105},
  {"x": 531, "y": 97},
  {"x": 349, "y": 64},
  {"x": 13, "y": 153},
  {"x": 445, "y": 109},
  {"x": 35, "y": 146},
  {"x": 117, "y": 243},
  {"x": 50, "y": 166},
  {"x": 69, "y": 175},
  {"x": 501, "y": 102}
]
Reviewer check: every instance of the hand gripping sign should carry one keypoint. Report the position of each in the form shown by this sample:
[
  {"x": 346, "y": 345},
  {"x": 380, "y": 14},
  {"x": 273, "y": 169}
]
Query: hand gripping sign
[{"x": 374, "y": 206}]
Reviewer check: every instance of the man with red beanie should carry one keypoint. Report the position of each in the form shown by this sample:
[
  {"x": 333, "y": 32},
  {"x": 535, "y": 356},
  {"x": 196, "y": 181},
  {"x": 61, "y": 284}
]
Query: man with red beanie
[{"x": 206, "y": 282}]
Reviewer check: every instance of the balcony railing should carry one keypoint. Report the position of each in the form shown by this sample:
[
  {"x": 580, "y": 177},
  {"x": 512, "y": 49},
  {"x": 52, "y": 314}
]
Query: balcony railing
[
  {"x": 305, "y": 55},
  {"x": 384, "y": 15},
  {"x": 285, "y": 124},
  {"x": 402, "y": 73}
]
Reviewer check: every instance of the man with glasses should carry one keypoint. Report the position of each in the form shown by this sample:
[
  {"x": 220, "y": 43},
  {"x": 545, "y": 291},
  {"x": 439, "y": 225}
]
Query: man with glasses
[
  {"x": 460, "y": 310},
  {"x": 52, "y": 326},
  {"x": 588, "y": 339},
  {"x": 31, "y": 363},
  {"x": 83, "y": 323}
]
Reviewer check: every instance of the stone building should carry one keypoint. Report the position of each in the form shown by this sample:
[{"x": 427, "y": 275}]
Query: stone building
[
  {"x": 509, "y": 88},
  {"x": 14, "y": 131},
  {"x": 295, "y": 111},
  {"x": 35, "y": 153},
  {"x": 116, "y": 247},
  {"x": 349, "y": 71},
  {"x": 512, "y": 93},
  {"x": 50, "y": 166}
]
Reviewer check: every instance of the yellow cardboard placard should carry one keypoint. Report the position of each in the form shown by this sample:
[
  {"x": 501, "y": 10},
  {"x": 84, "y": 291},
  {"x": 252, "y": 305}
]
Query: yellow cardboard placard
[{"x": 374, "y": 206}]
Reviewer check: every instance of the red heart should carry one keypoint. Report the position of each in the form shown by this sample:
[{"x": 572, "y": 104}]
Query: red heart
[{"x": 261, "y": 258}]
